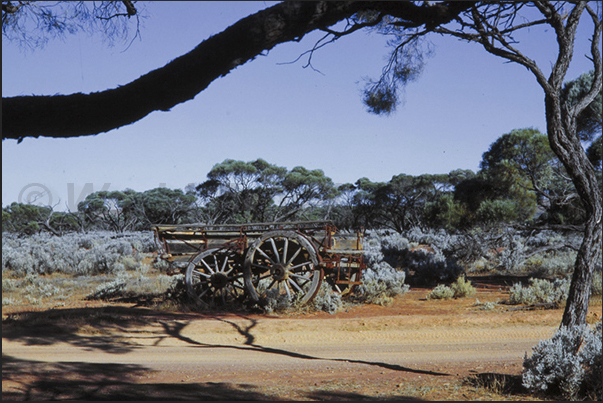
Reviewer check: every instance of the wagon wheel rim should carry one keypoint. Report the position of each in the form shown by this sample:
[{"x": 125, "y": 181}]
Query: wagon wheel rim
[
  {"x": 282, "y": 264},
  {"x": 213, "y": 277}
]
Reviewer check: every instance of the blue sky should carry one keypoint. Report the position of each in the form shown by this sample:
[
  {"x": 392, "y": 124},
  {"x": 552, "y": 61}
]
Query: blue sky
[{"x": 289, "y": 116}]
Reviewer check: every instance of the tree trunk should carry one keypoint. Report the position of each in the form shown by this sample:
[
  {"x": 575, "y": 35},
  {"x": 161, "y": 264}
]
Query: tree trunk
[{"x": 564, "y": 141}]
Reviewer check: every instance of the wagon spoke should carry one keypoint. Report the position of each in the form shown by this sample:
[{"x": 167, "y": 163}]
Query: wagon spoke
[
  {"x": 206, "y": 265},
  {"x": 211, "y": 276},
  {"x": 225, "y": 264},
  {"x": 278, "y": 259},
  {"x": 266, "y": 256},
  {"x": 306, "y": 279},
  {"x": 204, "y": 292},
  {"x": 271, "y": 284},
  {"x": 287, "y": 289},
  {"x": 285, "y": 247},
  {"x": 295, "y": 285},
  {"x": 232, "y": 292},
  {"x": 201, "y": 273},
  {"x": 297, "y": 266},
  {"x": 294, "y": 256},
  {"x": 282, "y": 257},
  {"x": 261, "y": 266}
]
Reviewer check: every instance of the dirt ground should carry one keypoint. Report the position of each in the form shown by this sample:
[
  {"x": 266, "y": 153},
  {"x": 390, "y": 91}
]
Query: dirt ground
[{"x": 412, "y": 349}]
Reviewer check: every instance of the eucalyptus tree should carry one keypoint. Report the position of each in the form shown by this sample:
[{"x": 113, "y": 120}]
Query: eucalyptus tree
[
  {"x": 163, "y": 206},
  {"x": 399, "y": 204},
  {"x": 33, "y": 23},
  {"x": 303, "y": 190},
  {"x": 110, "y": 210},
  {"x": 239, "y": 191}
]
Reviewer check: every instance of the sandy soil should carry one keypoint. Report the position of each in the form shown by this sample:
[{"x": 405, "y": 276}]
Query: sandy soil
[{"x": 412, "y": 349}]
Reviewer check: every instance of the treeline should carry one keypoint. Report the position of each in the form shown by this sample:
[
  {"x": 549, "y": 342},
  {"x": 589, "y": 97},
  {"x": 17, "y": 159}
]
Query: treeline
[{"x": 520, "y": 181}]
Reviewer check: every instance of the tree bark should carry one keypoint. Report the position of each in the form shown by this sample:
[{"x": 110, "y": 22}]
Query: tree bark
[
  {"x": 65, "y": 116},
  {"x": 570, "y": 152}
]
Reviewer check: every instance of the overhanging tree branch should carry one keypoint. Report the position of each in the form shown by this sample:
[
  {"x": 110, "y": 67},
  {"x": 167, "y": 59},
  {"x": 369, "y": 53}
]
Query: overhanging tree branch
[{"x": 65, "y": 116}]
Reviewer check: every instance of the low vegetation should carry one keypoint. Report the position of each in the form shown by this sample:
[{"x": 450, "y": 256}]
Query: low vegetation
[
  {"x": 101, "y": 265},
  {"x": 569, "y": 365}
]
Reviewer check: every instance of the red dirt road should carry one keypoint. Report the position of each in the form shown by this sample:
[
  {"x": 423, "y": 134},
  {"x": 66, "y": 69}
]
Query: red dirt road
[{"x": 412, "y": 349}]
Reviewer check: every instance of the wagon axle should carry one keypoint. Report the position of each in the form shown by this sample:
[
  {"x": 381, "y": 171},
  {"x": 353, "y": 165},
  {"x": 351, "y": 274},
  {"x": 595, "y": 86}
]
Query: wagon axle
[{"x": 279, "y": 272}]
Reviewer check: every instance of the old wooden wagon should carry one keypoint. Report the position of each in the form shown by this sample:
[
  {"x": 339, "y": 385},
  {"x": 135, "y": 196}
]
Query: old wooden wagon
[{"x": 256, "y": 261}]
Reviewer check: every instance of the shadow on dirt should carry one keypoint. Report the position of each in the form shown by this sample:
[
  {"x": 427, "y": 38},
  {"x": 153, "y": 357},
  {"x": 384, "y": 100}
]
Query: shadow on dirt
[
  {"x": 95, "y": 328},
  {"x": 175, "y": 330},
  {"x": 41, "y": 381},
  {"x": 33, "y": 380},
  {"x": 91, "y": 328}
]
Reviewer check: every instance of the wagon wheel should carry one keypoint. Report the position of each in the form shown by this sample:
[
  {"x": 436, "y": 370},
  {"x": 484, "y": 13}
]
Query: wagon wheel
[
  {"x": 214, "y": 277},
  {"x": 282, "y": 263}
]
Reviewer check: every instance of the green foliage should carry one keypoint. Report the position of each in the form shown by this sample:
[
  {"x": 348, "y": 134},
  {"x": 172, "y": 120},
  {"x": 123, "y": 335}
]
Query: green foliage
[
  {"x": 589, "y": 121},
  {"x": 445, "y": 212},
  {"x": 441, "y": 292},
  {"x": 519, "y": 174},
  {"x": 406, "y": 65},
  {"x": 539, "y": 291},
  {"x": 462, "y": 288},
  {"x": 402, "y": 203},
  {"x": 23, "y": 218},
  {"x": 110, "y": 210},
  {"x": 238, "y": 191},
  {"x": 492, "y": 212},
  {"x": 33, "y": 24},
  {"x": 163, "y": 206}
]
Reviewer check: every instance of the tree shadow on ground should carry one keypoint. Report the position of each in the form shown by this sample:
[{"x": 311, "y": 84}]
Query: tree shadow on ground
[
  {"x": 174, "y": 329},
  {"x": 34, "y": 380},
  {"x": 91, "y": 328},
  {"x": 95, "y": 328},
  {"x": 42, "y": 381}
]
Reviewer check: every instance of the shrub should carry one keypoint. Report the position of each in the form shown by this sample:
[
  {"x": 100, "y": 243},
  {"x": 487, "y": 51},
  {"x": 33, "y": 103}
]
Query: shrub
[
  {"x": 539, "y": 291},
  {"x": 110, "y": 289},
  {"x": 485, "y": 306},
  {"x": 326, "y": 300},
  {"x": 459, "y": 289},
  {"x": 462, "y": 288},
  {"x": 441, "y": 292},
  {"x": 77, "y": 254},
  {"x": 423, "y": 265},
  {"x": 569, "y": 364},
  {"x": 380, "y": 284}
]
